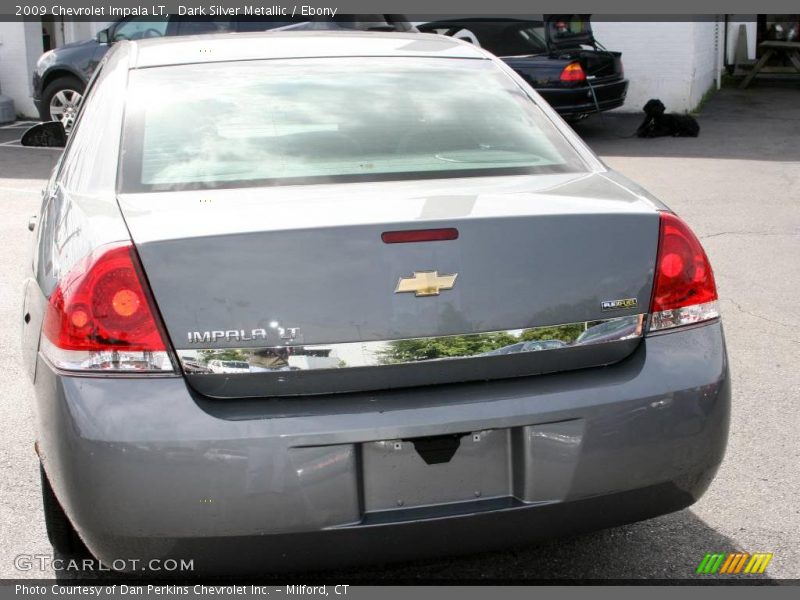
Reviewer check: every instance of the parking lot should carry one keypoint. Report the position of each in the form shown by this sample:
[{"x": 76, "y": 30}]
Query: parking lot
[{"x": 738, "y": 186}]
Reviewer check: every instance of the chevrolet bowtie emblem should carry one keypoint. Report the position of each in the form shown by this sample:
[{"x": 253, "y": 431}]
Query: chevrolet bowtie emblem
[{"x": 426, "y": 283}]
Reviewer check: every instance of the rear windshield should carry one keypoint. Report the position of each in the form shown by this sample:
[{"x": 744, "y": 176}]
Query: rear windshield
[
  {"x": 283, "y": 122},
  {"x": 564, "y": 27}
]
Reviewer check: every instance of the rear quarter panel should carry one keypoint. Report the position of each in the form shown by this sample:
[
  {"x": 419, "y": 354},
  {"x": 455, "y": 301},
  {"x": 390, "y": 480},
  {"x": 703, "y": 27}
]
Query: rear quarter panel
[{"x": 79, "y": 210}]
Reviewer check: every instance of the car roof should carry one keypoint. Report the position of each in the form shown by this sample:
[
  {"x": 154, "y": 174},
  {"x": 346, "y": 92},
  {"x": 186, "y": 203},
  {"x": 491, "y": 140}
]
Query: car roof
[{"x": 223, "y": 47}]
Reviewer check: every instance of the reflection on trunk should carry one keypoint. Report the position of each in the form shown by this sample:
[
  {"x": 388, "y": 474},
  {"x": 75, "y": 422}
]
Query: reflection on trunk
[{"x": 412, "y": 350}]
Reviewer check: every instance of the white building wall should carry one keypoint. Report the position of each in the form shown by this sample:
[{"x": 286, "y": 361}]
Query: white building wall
[
  {"x": 672, "y": 61},
  {"x": 20, "y": 48},
  {"x": 707, "y": 58}
]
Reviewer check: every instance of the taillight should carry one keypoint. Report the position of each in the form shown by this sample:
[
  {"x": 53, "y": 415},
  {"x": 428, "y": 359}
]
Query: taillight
[
  {"x": 684, "y": 291},
  {"x": 572, "y": 73},
  {"x": 101, "y": 317}
]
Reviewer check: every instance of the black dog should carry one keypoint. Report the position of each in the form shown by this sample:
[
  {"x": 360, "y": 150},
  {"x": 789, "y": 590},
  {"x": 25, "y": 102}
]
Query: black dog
[{"x": 657, "y": 124}]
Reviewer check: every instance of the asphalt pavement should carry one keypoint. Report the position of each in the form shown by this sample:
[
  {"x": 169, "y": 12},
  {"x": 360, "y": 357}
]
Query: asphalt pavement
[{"x": 738, "y": 186}]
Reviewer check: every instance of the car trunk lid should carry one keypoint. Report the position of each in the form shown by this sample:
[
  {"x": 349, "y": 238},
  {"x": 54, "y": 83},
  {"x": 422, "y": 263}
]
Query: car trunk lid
[{"x": 305, "y": 267}]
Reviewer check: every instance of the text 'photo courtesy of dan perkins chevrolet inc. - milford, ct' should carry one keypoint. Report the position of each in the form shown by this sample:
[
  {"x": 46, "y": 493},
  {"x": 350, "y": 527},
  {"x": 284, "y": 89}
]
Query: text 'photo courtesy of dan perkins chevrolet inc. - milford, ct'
[
  {"x": 179, "y": 590},
  {"x": 160, "y": 10}
]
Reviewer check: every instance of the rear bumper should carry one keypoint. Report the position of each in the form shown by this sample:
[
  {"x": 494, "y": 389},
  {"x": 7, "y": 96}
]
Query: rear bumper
[
  {"x": 580, "y": 101},
  {"x": 146, "y": 470}
]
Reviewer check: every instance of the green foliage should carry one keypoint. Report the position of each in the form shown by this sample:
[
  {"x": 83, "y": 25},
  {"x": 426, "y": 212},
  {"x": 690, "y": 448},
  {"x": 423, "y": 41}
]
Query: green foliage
[
  {"x": 565, "y": 333},
  {"x": 456, "y": 345},
  {"x": 706, "y": 97}
]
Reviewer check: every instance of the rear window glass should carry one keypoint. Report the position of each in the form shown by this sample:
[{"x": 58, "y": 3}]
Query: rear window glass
[
  {"x": 140, "y": 28},
  {"x": 568, "y": 26},
  {"x": 323, "y": 120}
]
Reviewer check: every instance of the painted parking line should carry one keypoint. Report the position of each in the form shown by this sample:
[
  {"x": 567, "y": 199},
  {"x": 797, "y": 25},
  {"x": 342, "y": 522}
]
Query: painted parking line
[
  {"x": 20, "y": 125},
  {"x": 16, "y": 144}
]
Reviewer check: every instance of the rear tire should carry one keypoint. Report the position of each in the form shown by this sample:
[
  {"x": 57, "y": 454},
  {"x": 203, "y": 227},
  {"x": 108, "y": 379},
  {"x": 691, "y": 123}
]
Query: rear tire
[
  {"x": 62, "y": 94},
  {"x": 60, "y": 532}
]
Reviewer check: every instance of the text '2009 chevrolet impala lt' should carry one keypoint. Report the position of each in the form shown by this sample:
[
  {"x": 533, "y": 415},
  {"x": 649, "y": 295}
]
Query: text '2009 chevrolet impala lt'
[{"x": 303, "y": 300}]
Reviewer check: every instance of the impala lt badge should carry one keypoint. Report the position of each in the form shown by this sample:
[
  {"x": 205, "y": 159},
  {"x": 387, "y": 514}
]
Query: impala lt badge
[
  {"x": 228, "y": 335},
  {"x": 426, "y": 283},
  {"x": 243, "y": 335}
]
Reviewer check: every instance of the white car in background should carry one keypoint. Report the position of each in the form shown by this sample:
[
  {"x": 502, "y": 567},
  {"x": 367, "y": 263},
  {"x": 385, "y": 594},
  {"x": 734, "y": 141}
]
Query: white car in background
[{"x": 228, "y": 366}]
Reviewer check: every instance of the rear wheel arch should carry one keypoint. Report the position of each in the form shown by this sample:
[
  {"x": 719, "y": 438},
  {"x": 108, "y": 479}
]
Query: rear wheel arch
[{"x": 58, "y": 72}]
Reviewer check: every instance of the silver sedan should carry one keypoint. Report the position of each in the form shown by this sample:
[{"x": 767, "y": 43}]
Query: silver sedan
[{"x": 271, "y": 277}]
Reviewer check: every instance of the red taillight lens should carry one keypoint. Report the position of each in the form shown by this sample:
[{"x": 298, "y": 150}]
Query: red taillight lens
[
  {"x": 102, "y": 316},
  {"x": 573, "y": 72},
  {"x": 684, "y": 291}
]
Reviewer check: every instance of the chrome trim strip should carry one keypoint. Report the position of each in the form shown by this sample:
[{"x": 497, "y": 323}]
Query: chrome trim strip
[
  {"x": 107, "y": 362},
  {"x": 272, "y": 359}
]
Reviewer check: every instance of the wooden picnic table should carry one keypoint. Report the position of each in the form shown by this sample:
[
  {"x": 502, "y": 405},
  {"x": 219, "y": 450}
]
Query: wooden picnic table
[{"x": 790, "y": 49}]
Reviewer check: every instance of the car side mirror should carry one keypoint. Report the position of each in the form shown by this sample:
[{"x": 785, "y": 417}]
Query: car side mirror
[
  {"x": 102, "y": 36},
  {"x": 50, "y": 134}
]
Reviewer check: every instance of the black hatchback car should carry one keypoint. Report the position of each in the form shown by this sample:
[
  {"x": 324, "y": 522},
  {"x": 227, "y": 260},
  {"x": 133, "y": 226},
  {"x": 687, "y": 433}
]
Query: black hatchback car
[
  {"x": 556, "y": 54},
  {"x": 61, "y": 75}
]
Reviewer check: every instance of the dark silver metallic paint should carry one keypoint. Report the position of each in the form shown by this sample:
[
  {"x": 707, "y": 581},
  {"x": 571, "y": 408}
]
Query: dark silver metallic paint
[
  {"x": 507, "y": 246},
  {"x": 148, "y": 467}
]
